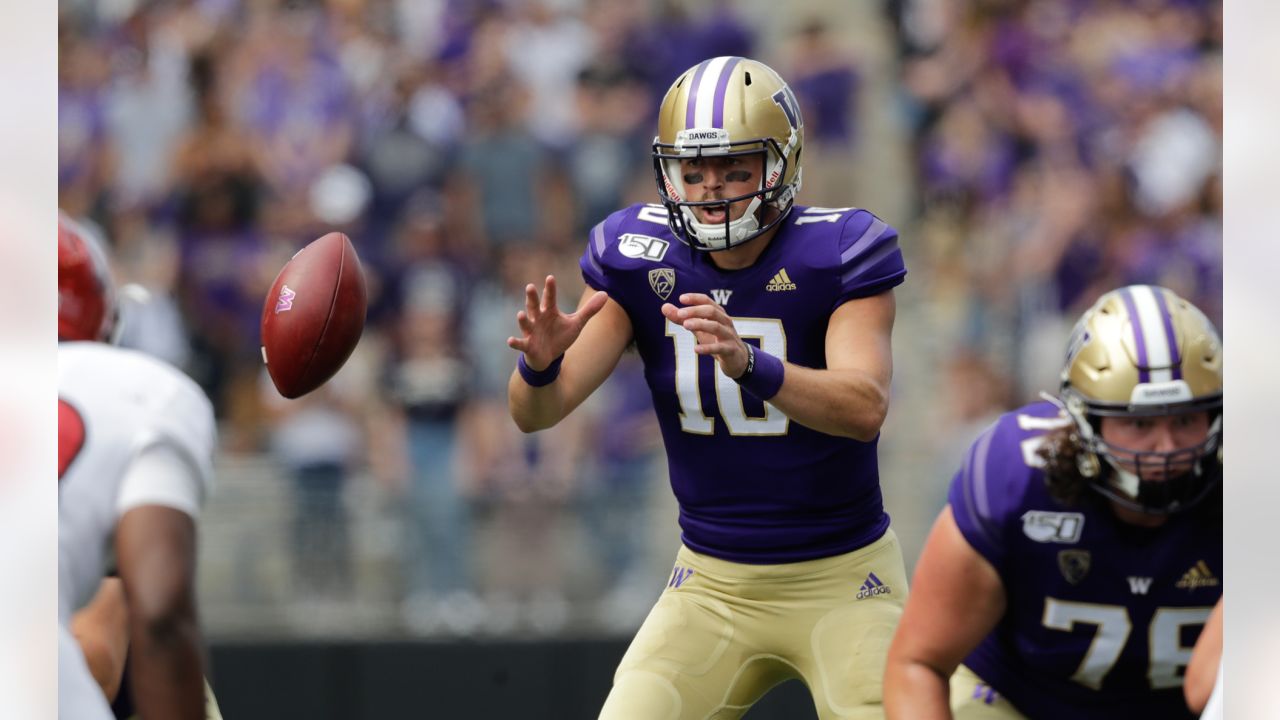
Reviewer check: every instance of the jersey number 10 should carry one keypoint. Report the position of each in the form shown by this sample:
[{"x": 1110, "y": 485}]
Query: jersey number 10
[{"x": 773, "y": 340}]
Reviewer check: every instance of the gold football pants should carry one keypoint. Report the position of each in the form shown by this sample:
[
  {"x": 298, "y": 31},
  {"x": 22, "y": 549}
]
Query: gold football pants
[
  {"x": 724, "y": 633},
  {"x": 973, "y": 699}
]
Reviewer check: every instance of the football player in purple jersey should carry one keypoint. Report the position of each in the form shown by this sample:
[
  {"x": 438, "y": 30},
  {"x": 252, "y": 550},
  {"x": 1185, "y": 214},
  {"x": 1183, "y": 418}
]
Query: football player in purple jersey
[
  {"x": 1080, "y": 553},
  {"x": 764, "y": 328}
]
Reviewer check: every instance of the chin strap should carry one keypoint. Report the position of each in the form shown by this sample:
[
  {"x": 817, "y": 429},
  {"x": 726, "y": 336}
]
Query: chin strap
[{"x": 713, "y": 236}]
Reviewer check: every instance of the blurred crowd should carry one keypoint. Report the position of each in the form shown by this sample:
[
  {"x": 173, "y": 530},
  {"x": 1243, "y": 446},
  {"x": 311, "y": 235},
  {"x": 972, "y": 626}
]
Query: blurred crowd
[
  {"x": 1063, "y": 148},
  {"x": 1057, "y": 148}
]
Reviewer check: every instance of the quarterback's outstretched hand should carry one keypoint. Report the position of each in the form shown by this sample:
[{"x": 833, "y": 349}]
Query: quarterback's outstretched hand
[
  {"x": 547, "y": 331},
  {"x": 714, "y": 330}
]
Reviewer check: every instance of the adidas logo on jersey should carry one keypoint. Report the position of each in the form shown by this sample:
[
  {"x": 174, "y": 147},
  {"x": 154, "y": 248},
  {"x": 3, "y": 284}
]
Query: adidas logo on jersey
[
  {"x": 872, "y": 587},
  {"x": 781, "y": 281},
  {"x": 1198, "y": 576}
]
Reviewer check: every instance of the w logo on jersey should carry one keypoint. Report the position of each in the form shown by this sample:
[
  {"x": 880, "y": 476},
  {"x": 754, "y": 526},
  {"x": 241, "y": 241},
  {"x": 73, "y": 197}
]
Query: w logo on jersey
[
  {"x": 721, "y": 296},
  {"x": 678, "y": 576},
  {"x": 1139, "y": 585},
  {"x": 872, "y": 587}
]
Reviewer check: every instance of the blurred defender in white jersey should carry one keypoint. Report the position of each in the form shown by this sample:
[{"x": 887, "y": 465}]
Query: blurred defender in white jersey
[{"x": 135, "y": 440}]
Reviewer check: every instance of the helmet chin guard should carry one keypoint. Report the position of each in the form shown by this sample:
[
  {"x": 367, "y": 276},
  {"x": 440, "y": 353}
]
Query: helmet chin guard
[{"x": 720, "y": 236}]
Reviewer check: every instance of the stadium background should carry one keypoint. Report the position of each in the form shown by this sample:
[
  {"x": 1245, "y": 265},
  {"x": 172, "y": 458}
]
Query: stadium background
[{"x": 393, "y": 542}]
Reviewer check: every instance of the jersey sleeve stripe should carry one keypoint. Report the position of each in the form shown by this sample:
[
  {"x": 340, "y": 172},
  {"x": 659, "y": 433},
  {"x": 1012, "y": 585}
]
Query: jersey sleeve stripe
[
  {"x": 980, "y": 475},
  {"x": 595, "y": 264},
  {"x": 888, "y": 248},
  {"x": 597, "y": 238},
  {"x": 592, "y": 261},
  {"x": 974, "y": 481},
  {"x": 872, "y": 232}
]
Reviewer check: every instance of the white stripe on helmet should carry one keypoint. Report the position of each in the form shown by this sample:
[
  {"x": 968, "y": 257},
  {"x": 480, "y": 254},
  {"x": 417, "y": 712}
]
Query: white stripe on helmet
[{"x": 1151, "y": 325}]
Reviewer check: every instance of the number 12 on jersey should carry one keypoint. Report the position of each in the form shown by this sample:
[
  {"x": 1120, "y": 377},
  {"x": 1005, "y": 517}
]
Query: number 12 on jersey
[{"x": 773, "y": 340}]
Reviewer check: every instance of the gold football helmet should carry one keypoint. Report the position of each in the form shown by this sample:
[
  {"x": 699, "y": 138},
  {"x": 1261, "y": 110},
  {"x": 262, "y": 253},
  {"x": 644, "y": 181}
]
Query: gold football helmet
[
  {"x": 728, "y": 106},
  {"x": 1142, "y": 351}
]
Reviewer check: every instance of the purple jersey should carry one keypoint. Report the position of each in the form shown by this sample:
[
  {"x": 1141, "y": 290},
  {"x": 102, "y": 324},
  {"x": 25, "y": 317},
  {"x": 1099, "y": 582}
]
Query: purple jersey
[
  {"x": 1101, "y": 615},
  {"x": 753, "y": 485}
]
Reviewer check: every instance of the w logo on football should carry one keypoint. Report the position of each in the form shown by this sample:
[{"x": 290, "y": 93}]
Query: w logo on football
[{"x": 285, "y": 301}]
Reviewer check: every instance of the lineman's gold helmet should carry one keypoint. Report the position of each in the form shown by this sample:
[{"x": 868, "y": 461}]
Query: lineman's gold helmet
[{"x": 1143, "y": 351}]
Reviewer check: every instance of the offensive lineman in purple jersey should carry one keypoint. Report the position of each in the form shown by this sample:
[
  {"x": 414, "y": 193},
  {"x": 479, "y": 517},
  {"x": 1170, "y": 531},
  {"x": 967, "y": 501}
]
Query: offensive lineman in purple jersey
[
  {"x": 1081, "y": 551},
  {"x": 765, "y": 333}
]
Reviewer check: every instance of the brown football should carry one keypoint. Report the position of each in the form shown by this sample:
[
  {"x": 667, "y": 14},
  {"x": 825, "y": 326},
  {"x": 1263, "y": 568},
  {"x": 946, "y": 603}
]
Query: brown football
[{"x": 313, "y": 315}]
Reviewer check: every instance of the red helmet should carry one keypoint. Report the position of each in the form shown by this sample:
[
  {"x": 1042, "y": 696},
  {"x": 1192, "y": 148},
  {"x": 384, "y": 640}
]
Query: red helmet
[{"x": 86, "y": 293}]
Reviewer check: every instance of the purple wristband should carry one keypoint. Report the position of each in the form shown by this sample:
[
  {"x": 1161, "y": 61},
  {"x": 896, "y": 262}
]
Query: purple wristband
[
  {"x": 538, "y": 378},
  {"x": 763, "y": 376}
]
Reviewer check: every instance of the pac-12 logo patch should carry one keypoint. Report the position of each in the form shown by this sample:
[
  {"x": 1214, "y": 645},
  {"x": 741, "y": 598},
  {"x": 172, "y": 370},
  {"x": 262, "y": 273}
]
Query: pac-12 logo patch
[
  {"x": 1074, "y": 565},
  {"x": 1053, "y": 527},
  {"x": 663, "y": 281},
  {"x": 635, "y": 245},
  {"x": 285, "y": 301}
]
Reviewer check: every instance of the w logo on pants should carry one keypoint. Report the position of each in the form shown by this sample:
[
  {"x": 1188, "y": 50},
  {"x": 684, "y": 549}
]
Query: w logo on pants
[{"x": 678, "y": 576}]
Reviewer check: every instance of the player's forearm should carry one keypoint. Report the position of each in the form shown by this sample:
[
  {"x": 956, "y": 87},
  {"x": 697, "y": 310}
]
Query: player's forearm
[
  {"x": 1202, "y": 670},
  {"x": 102, "y": 629},
  {"x": 168, "y": 669},
  {"x": 106, "y": 664},
  {"x": 846, "y": 403},
  {"x": 915, "y": 691},
  {"x": 1196, "y": 689},
  {"x": 534, "y": 408}
]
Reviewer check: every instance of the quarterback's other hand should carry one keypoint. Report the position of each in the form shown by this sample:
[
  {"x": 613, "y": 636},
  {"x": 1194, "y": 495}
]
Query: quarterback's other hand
[{"x": 547, "y": 332}]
